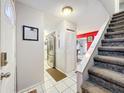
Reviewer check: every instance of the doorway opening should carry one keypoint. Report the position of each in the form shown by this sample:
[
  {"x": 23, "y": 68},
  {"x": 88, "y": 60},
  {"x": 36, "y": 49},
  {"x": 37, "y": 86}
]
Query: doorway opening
[
  {"x": 54, "y": 77},
  {"x": 50, "y": 58}
]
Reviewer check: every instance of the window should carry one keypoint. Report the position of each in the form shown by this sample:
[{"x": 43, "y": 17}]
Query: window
[{"x": 9, "y": 11}]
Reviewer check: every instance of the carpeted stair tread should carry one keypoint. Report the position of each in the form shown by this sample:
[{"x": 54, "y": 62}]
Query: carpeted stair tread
[
  {"x": 117, "y": 22},
  {"x": 118, "y": 14},
  {"x": 117, "y": 27},
  {"x": 110, "y": 60},
  {"x": 118, "y": 19},
  {"x": 114, "y": 30},
  {"x": 115, "y": 33},
  {"x": 112, "y": 48},
  {"x": 109, "y": 75},
  {"x": 113, "y": 40},
  {"x": 89, "y": 87}
]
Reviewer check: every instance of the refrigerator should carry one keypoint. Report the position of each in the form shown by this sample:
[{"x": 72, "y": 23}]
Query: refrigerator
[{"x": 51, "y": 50}]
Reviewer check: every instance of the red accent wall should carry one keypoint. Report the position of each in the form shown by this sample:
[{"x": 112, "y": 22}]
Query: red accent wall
[{"x": 86, "y": 35}]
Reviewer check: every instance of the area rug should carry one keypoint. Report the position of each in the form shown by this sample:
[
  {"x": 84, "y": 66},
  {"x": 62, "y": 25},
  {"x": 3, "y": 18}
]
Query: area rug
[{"x": 56, "y": 74}]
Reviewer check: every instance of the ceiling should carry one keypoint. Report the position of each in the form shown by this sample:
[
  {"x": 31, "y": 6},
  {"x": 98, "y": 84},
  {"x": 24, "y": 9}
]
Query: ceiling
[
  {"x": 54, "y": 6},
  {"x": 83, "y": 9}
]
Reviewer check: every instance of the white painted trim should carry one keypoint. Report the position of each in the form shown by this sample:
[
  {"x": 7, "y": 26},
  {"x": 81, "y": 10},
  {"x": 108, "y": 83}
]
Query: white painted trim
[
  {"x": 15, "y": 74},
  {"x": 117, "y": 5},
  {"x": 81, "y": 67}
]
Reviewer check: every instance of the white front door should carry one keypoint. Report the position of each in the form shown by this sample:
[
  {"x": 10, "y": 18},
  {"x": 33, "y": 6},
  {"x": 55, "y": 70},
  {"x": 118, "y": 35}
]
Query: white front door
[{"x": 7, "y": 47}]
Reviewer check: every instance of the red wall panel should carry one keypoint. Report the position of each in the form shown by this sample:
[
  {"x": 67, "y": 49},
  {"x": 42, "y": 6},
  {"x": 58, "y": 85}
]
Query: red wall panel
[{"x": 86, "y": 35}]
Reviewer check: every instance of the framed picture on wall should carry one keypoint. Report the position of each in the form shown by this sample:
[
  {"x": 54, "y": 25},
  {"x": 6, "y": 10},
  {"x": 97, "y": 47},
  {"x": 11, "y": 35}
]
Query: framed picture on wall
[
  {"x": 30, "y": 33},
  {"x": 90, "y": 39}
]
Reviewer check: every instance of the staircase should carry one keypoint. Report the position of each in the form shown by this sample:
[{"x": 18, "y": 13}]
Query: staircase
[{"x": 107, "y": 74}]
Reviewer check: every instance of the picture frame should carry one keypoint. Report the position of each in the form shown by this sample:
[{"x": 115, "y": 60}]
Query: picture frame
[
  {"x": 30, "y": 33},
  {"x": 90, "y": 39}
]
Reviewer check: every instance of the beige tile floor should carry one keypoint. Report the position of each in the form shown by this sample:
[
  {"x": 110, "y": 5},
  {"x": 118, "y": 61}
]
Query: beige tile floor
[{"x": 67, "y": 85}]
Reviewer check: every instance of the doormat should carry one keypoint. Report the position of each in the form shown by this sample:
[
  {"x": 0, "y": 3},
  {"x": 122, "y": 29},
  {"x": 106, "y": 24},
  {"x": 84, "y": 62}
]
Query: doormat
[
  {"x": 56, "y": 74},
  {"x": 33, "y": 91}
]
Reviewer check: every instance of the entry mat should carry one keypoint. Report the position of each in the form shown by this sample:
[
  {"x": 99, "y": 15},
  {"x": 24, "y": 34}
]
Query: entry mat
[
  {"x": 56, "y": 74},
  {"x": 33, "y": 91}
]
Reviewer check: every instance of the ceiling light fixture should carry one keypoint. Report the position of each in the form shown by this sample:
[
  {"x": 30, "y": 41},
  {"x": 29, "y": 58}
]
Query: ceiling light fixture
[{"x": 67, "y": 10}]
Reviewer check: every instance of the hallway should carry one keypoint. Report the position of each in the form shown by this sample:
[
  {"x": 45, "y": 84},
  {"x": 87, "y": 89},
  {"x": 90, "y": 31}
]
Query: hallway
[{"x": 62, "y": 46}]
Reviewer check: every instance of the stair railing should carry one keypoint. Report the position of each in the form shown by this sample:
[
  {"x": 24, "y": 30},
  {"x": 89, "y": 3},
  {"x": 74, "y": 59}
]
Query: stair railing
[{"x": 87, "y": 61}]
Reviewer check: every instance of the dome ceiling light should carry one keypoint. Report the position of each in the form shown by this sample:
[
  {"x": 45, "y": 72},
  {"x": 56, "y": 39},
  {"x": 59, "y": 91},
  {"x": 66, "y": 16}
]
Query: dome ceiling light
[{"x": 67, "y": 10}]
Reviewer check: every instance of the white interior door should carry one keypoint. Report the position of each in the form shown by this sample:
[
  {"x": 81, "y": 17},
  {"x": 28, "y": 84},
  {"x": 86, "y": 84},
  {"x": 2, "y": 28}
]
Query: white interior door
[{"x": 7, "y": 46}]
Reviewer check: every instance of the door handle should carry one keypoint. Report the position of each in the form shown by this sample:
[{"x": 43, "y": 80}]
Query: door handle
[
  {"x": 6, "y": 75},
  {"x": 4, "y": 59}
]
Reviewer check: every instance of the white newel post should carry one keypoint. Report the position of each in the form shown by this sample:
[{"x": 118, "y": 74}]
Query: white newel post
[{"x": 79, "y": 82}]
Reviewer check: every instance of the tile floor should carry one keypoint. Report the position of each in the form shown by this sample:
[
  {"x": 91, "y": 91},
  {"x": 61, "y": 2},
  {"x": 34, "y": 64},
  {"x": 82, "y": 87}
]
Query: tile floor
[{"x": 67, "y": 85}]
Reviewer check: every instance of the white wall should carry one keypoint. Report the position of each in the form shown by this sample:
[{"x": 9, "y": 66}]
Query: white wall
[
  {"x": 66, "y": 42},
  {"x": 111, "y": 6},
  {"x": 29, "y": 53},
  {"x": 121, "y": 6},
  {"x": 60, "y": 47},
  {"x": 94, "y": 15},
  {"x": 70, "y": 42},
  {"x": 51, "y": 22}
]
